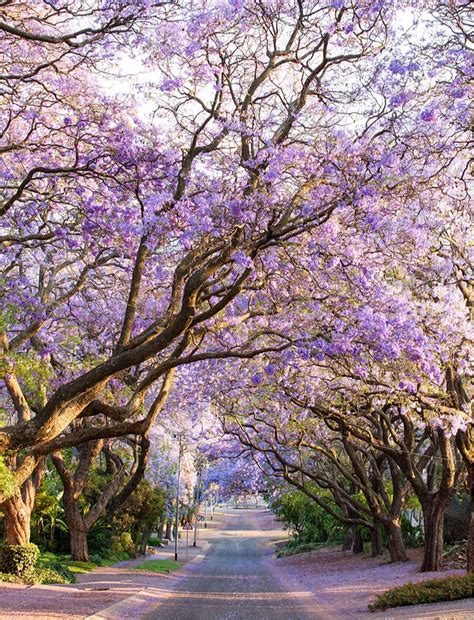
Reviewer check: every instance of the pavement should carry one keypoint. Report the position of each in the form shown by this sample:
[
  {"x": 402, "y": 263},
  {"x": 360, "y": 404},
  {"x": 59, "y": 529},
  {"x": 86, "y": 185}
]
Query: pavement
[
  {"x": 235, "y": 582},
  {"x": 231, "y": 575}
]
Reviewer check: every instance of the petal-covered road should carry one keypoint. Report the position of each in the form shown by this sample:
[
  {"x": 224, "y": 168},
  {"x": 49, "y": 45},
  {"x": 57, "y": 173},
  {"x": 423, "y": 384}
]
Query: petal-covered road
[{"x": 235, "y": 582}]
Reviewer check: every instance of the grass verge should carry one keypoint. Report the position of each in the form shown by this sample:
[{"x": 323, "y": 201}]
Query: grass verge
[
  {"x": 159, "y": 566},
  {"x": 430, "y": 591}
]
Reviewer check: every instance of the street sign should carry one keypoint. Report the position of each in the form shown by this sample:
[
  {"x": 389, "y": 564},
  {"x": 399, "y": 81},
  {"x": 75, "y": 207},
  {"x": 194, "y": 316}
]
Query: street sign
[{"x": 187, "y": 526}]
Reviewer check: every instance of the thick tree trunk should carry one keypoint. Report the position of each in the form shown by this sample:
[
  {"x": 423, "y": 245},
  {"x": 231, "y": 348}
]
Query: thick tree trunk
[
  {"x": 470, "y": 542},
  {"x": 79, "y": 547},
  {"x": 144, "y": 539},
  {"x": 169, "y": 529},
  {"x": 16, "y": 522},
  {"x": 376, "y": 541},
  {"x": 18, "y": 508},
  {"x": 357, "y": 545},
  {"x": 348, "y": 540},
  {"x": 433, "y": 549},
  {"x": 396, "y": 546},
  {"x": 161, "y": 530}
]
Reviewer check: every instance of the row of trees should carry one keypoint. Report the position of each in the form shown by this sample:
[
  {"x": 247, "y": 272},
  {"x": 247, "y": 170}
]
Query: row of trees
[{"x": 286, "y": 173}]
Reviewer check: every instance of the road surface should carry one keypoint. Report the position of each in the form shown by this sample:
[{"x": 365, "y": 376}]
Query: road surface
[{"x": 235, "y": 581}]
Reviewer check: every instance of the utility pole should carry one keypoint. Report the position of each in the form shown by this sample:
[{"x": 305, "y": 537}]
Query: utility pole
[
  {"x": 200, "y": 464},
  {"x": 180, "y": 437},
  {"x": 205, "y": 495}
]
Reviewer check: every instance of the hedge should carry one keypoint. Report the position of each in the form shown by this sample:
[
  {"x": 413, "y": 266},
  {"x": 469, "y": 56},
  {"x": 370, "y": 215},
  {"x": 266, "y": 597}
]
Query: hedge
[
  {"x": 18, "y": 559},
  {"x": 430, "y": 591}
]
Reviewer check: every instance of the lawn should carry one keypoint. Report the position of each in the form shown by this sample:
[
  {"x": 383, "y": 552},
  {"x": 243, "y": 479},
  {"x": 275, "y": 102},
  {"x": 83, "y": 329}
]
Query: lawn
[{"x": 159, "y": 566}]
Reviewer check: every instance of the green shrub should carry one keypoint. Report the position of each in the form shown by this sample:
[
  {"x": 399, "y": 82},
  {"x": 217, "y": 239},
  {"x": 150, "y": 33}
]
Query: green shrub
[
  {"x": 52, "y": 574},
  {"x": 412, "y": 534},
  {"x": 123, "y": 543},
  {"x": 430, "y": 591},
  {"x": 58, "y": 574},
  {"x": 293, "y": 548},
  {"x": 154, "y": 541},
  {"x": 18, "y": 559},
  {"x": 307, "y": 521},
  {"x": 99, "y": 538},
  {"x": 9, "y": 578}
]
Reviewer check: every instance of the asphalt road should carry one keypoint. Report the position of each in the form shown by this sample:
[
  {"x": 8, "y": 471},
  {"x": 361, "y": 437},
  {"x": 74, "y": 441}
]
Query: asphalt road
[{"x": 235, "y": 582}]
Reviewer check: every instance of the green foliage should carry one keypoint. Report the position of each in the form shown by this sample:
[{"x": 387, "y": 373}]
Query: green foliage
[
  {"x": 412, "y": 534},
  {"x": 309, "y": 522},
  {"x": 9, "y": 578},
  {"x": 57, "y": 574},
  {"x": 53, "y": 574},
  {"x": 48, "y": 527},
  {"x": 47, "y": 519},
  {"x": 154, "y": 541},
  {"x": 431, "y": 591},
  {"x": 99, "y": 538},
  {"x": 69, "y": 568},
  {"x": 110, "y": 561},
  {"x": 159, "y": 566},
  {"x": 32, "y": 370},
  {"x": 7, "y": 479},
  {"x": 18, "y": 559},
  {"x": 293, "y": 548},
  {"x": 141, "y": 512},
  {"x": 123, "y": 543}
]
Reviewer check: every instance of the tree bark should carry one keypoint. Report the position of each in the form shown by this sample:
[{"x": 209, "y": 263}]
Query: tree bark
[
  {"x": 161, "y": 529},
  {"x": 433, "y": 549},
  {"x": 144, "y": 539},
  {"x": 18, "y": 508},
  {"x": 396, "y": 546},
  {"x": 16, "y": 523},
  {"x": 470, "y": 543},
  {"x": 80, "y": 523},
  {"x": 357, "y": 545},
  {"x": 376, "y": 541},
  {"x": 169, "y": 530},
  {"x": 348, "y": 540},
  {"x": 78, "y": 537}
]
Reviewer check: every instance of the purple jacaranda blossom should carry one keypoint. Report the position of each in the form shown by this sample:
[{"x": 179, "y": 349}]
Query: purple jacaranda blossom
[
  {"x": 241, "y": 259},
  {"x": 428, "y": 115},
  {"x": 396, "y": 67},
  {"x": 270, "y": 369},
  {"x": 171, "y": 84}
]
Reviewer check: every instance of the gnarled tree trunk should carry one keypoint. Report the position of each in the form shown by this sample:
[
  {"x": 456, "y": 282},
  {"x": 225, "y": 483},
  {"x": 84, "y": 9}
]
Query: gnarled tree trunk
[
  {"x": 17, "y": 516},
  {"x": 396, "y": 546},
  {"x": 433, "y": 549},
  {"x": 470, "y": 543},
  {"x": 358, "y": 544},
  {"x": 348, "y": 540},
  {"x": 376, "y": 541},
  {"x": 79, "y": 524},
  {"x": 18, "y": 508},
  {"x": 78, "y": 532}
]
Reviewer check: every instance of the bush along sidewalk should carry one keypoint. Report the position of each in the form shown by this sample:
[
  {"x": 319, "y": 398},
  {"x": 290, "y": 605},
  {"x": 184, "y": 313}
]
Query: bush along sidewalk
[
  {"x": 430, "y": 591},
  {"x": 18, "y": 564}
]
